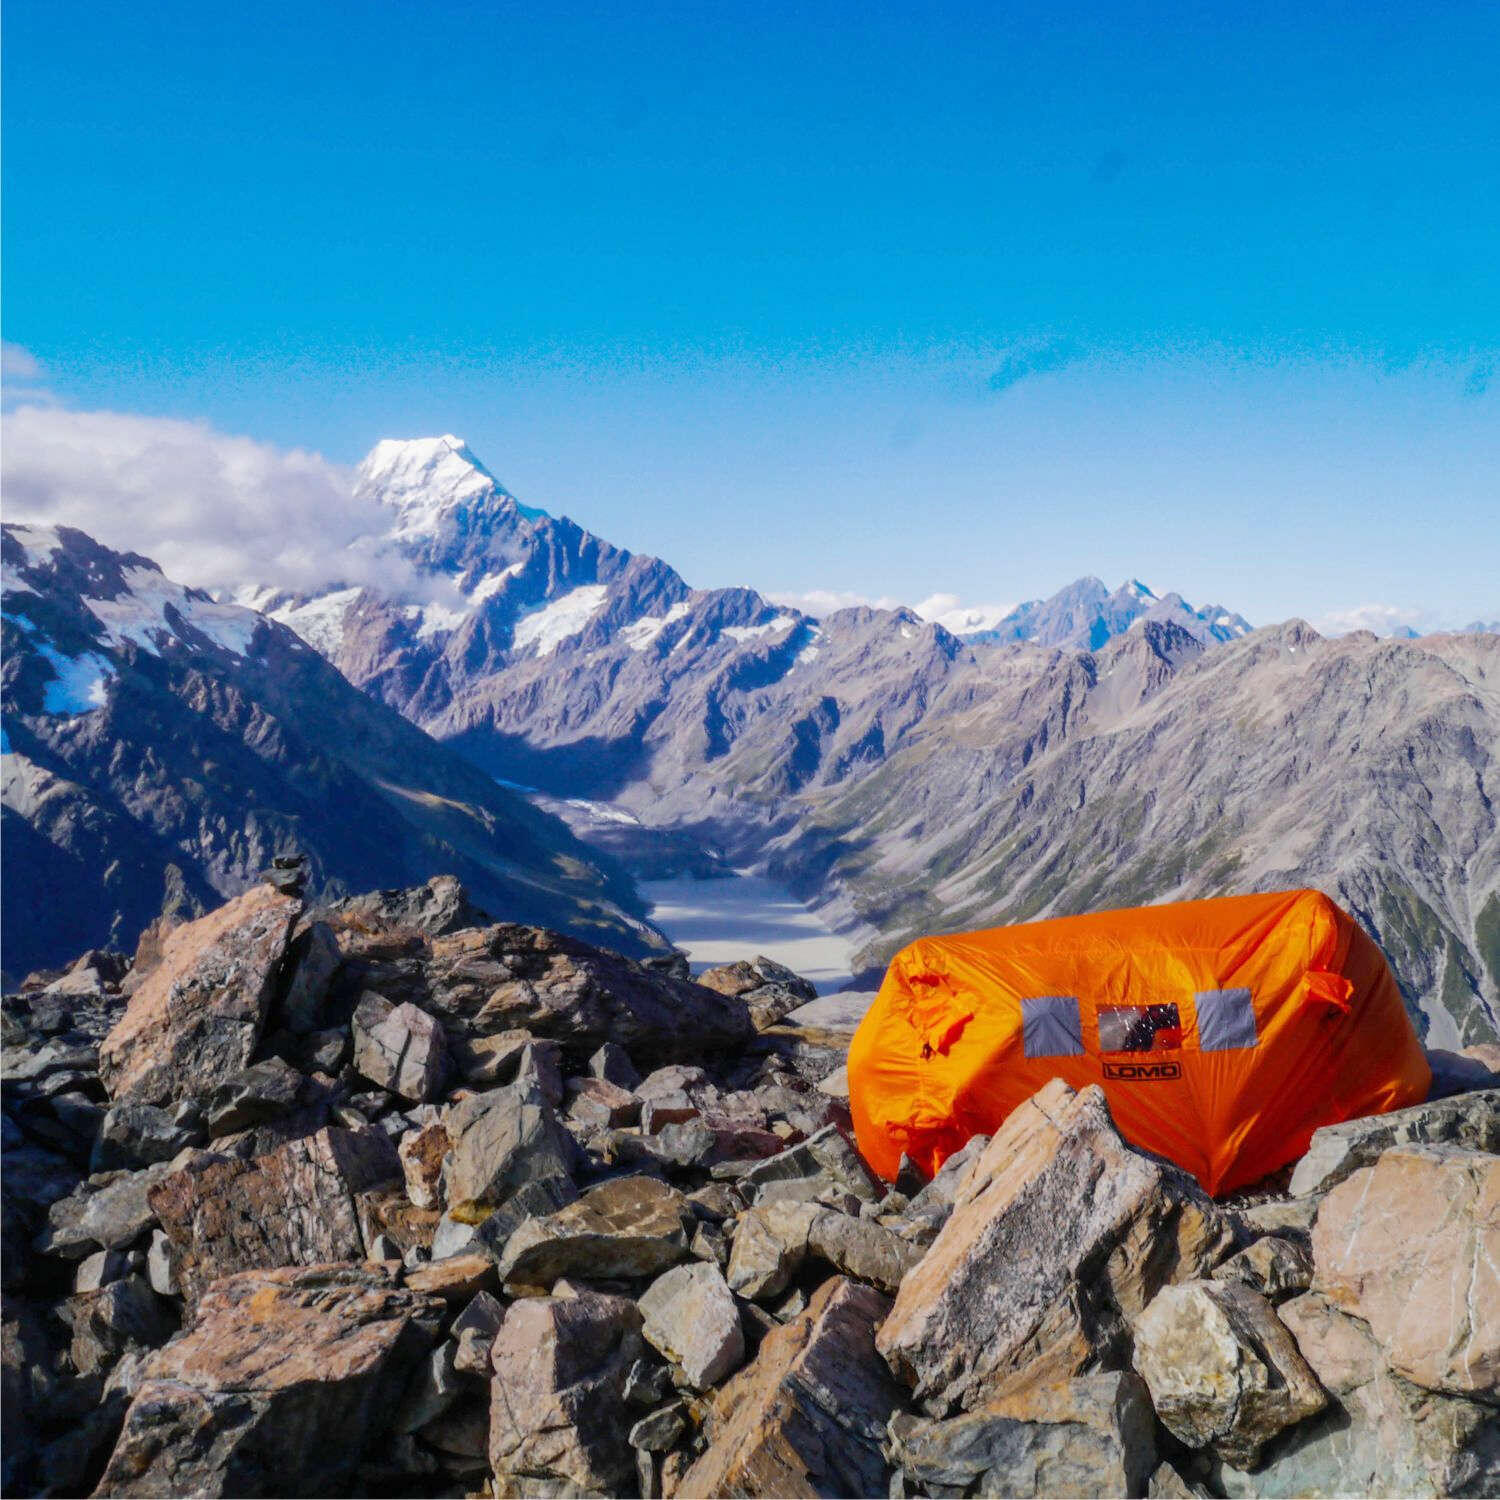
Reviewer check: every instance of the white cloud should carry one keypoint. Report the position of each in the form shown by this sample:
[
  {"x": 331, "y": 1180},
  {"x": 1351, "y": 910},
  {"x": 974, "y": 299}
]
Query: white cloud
[
  {"x": 17, "y": 363},
  {"x": 1383, "y": 619},
  {"x": 962, "y": 619},
  {"x": 213, "y": 510},
  {"x": 820, "y": 602}
]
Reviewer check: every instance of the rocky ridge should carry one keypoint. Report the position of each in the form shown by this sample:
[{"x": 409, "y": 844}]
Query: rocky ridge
[
  {"x": 1093, "y": 749},
  {"x": 160, "y": 749},
  {"x": 379, "y": 1196}
]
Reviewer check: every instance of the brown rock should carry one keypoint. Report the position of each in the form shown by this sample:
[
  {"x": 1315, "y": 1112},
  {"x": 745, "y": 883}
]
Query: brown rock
[
  {"x": 489, "y": 979},
  {"x": 1223, "y": 1370},
  {"x": 422, "y": 1152},
  {"x": 594, "y": 1102},
  {"x": 283, "y": 1380},
  {"x": 557, "y": 1408},
  {"x": 629, "y": 1226},
  {"x": 456, "y": 1279},
  {"x": 492, "y": 1059},
  {"x": 808, "y": 1417},
  {"x": 1059, "y": 1236},
  {"x": 292, "y": 1207},
  {"x": 1412, "y": 1246},
  {"x": 195, "y": 1019}
]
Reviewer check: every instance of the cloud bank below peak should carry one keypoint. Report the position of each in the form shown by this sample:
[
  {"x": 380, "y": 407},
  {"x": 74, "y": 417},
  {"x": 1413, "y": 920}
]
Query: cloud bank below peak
[{"x": 213, "y": 509}]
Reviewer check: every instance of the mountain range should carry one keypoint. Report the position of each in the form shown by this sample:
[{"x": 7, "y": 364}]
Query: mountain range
[
  {"x": 161, "y": 748},
  {"x": 1096, "y": 748}
]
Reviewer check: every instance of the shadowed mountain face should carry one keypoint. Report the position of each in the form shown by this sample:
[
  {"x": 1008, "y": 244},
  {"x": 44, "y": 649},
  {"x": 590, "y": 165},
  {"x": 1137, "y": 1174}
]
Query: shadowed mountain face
[
  {"x": 161, "y": 747},
  {"x": 903, "y": 778}
]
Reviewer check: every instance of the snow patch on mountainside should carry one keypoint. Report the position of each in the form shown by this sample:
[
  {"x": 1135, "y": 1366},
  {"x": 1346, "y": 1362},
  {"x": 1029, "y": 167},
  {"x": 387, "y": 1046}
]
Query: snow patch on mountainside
[
  {"x": 320, "y": 622},
  {"x": 140, "y": 615},
  {"x": 548, "y": 627},
  {"x": 425, "y": 479},
  {"x": 78, "y": 682},
  {"x": 639, "y": 634},
  {"x": 774, "y": 626}
]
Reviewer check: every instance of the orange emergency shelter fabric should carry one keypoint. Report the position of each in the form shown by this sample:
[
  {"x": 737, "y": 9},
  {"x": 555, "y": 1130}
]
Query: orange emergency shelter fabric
[{"x": 1223, "y": 1032}]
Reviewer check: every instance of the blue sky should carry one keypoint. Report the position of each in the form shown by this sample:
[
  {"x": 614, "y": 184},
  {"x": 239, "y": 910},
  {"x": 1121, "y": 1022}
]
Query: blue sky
[{"x": 884, "y": 299}]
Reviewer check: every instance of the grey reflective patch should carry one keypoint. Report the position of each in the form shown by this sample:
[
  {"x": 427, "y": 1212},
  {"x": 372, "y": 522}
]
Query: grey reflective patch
[
  {"x": 1050, "y": 1026},
  {"x": 1226, "y": 1019}
]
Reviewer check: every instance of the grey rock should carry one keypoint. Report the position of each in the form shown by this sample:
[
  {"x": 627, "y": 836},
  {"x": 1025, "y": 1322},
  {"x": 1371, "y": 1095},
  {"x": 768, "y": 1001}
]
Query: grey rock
[
  {"x": 452, "y": 1237},
  {"x": 161, "y": 1268},
  {"x": 531, "y": 1200},
  {"x": 108, "y": 1211},
  {"x": 597, "y": 1103},
  {"x": 1223, "y": 1370},
  {"x": 613, "y": 1065},
  {"x": 1090, "y": 1436},
  {"x": 689, "y": 1316},
  {"x": 557, "y": 1408},
  {"x": 139, "y": 1135},
  {"x": 824, "y": 1160},
  {"x": 1274, "y": 1266},
  {"x": 121, "y": 1316},
  {"x": 400, "y": 1048},
  {"x": 314, "y": 958},
  {"x": 1338, "y": 1151},
  {"x": 99, "y": 1269},
  {"x": 251, "y": 1096},
  {"x": 627, "y": 1227},
  {"x": 662, "y": 1430},
  {"x": 501, "y": 1140},
  {"x": 435, "y": 1385}
]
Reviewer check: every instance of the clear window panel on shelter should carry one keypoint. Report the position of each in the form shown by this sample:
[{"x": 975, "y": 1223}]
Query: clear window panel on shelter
[{"x": 1139, "y": 1028}]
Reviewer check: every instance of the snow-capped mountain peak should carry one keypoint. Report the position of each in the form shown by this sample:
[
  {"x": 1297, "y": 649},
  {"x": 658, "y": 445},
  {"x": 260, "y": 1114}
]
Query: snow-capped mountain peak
[{"x": 426, "y": 480}]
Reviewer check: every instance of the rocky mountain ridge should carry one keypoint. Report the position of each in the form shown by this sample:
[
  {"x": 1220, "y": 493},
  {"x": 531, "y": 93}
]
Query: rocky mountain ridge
[
  {"x": 905, "y": 779},
  {"x": 160, "y": 748},
  {"x": 375, "y": 1198}
]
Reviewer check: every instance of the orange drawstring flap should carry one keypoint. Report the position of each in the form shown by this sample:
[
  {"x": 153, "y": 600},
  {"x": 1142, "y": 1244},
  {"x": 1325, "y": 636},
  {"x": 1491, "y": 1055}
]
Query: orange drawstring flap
[{"x": 1323, "y": 987}]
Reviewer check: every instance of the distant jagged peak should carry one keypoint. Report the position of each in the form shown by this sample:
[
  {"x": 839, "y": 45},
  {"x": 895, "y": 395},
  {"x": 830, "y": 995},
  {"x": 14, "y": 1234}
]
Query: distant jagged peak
[{"x": 426, "y": 480}]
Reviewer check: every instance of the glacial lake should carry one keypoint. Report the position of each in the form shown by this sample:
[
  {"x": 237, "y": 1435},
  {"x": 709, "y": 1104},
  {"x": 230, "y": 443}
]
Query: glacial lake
[{"x": 739, "y": 916}]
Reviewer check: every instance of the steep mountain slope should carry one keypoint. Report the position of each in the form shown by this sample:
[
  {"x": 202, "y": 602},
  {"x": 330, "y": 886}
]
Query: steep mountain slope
[
  {"x": 1367, "y": 768},
  {"x": 160, "y": 748},
  {"x": 909, "y": 779}
]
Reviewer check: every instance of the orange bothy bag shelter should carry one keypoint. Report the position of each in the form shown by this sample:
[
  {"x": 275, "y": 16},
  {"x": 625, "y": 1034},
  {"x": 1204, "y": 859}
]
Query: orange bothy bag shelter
[{"x": 1223, "y": 1032}]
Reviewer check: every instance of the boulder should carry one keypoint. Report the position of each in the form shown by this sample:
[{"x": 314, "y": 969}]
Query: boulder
[
  {"x": 500, "y": 1140},
  {"x": 1338, "y": 1151},
  {"x": 557, "y": 1406},
  {"x": 690, "y": 1316},
  {"x": 1223, "y": 1371},
  {"x": 627, "y": 1227},
  {"x": 823, "y": 1161},
  {"x": 195, "y": 1018},
  {"x": 597, "y": 1104},
  {"x": 808, "y": 1416},
  {"x": 613, "y": 1065},
  {"x": 1094, "y": 1435},
  {"x": 1412, "y": 1246},
  {"x": 422, "y": 1152},
  {"x": 251, "y": 1096},
  {"x": 283, "y": 1381},
  {"x": 139, "y": 1135},
  {"x": 772, "y": 1241},
  {"x": 120, "y": 1317},
  {"x": 108, "y": 1211},
  {"x": 295, "y": 1206},
  {"x": 400, "y": 1048},
  {"x": 529, "y": 1201},
  {"x": 1060, "y": 1235},
  {"x": 1275, "y": 1266},
  {"x": 313, "y": 958},
  {"x": 483, "y": 980},
  {"x": 489, "y": 1060},
  {"x": 1380, "y": 1434},
  {"x": 434, "y": 909}
]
